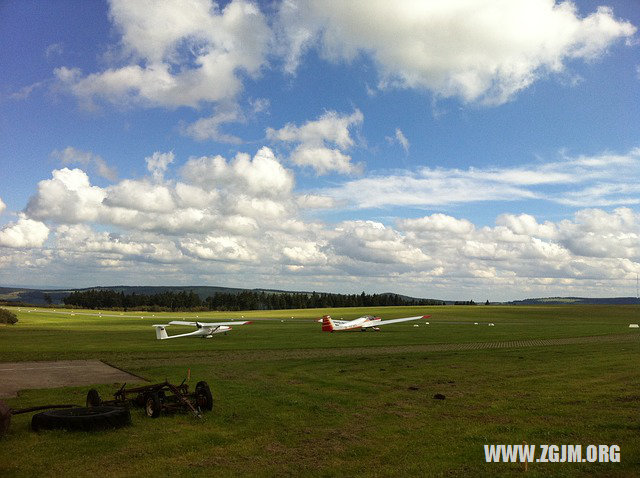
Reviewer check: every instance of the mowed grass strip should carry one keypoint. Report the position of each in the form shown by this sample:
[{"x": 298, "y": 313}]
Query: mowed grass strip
[
  {"x": 40, "y": 334},
  {"x": 348, "y": 415}
]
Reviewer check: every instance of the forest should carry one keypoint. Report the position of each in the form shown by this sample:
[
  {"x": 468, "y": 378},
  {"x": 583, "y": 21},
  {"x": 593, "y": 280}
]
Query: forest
[{"x": 245, "y": 300}]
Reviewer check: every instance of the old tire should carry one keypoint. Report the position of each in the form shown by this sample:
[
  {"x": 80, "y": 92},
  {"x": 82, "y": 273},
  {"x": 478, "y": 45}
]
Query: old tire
[
  {"x": 5, "y": 418},
  {"x": 152, "y": 405},
  {"x": 93, "y": 398},
  {"x": 82, "y": 418},
  {"x": 203, "y": 396}
]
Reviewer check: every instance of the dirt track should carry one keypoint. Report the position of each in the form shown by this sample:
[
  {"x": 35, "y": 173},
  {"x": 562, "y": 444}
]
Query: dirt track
[{"x": 15, "y": 376}]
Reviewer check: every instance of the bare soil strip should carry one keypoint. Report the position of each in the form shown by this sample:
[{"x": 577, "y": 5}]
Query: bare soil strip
[{"x": 15, "y": 376}]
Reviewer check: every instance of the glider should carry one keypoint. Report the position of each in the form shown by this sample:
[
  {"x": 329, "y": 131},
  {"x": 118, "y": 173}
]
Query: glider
[
  {"x": 367, "y": 322},
  {"x": 203, "y": 329}
]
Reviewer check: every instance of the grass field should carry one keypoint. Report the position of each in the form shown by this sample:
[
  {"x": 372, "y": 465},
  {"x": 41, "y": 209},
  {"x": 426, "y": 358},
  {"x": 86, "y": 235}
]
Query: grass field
[{"x": 293, "y": 401}]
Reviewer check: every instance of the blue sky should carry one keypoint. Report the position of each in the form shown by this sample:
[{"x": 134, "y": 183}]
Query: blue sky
[{"x": 483, "y": 150}]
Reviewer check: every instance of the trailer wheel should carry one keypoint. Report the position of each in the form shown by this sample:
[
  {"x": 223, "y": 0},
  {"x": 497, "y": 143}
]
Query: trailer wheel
[
  {"x": 152, "y": 405},
  {"x": 81, "y": 418},
  {"x": 203, "y": 396},
  {"x": 93, "y": 398}
]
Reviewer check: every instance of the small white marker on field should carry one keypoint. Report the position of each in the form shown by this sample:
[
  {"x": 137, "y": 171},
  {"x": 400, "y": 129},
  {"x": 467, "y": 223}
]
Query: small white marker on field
[{"x": 634, "y": 326}]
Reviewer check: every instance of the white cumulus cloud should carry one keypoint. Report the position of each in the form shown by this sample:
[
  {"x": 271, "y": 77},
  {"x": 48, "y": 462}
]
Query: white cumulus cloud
[
  {"x": 480, "y": 51},
  {"x": 321, "y": 144},
  {"x": 177, "y": 53},
  {"x": 24, "y": 233}
]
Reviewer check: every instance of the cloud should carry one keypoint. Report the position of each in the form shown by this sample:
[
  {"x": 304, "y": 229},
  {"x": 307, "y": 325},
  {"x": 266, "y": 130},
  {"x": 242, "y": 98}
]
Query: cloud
[
  {"x": 236, "y": 196},
  {"x": 219, "y": 248},
  {"x": 157, "y": 164},
  {"x": 67, "y": 198},
  {"x": 25, "y": 91},
  {"x": 580, "y": 182},
  {"x": 209, "y": 128},
  {"x": 314, "y": 141},
  {"x": 485, "y": 52},
  {"x": 54, "y": 49},
  {"x": 71, "y": 156},
  {"x": 25, "y": 233},
  {"x": 315, "y": 201},
  {"x": 372, "y": 242},
  {"x": 3, "y": 206},
  {"x": 261, "y": 176},
  {"x": 176, "y": 54},
  {"x": 401, "y": 138},
  {"x": 141, "y": 196},
  {"x": 304, "y": 254},
  {"x": 240, "y": 221},
  {"x": 437, "y": 224}
]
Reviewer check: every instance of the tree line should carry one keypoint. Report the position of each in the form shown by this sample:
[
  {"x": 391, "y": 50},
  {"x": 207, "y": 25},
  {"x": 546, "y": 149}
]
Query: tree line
[{"x": 245, "y": 300}]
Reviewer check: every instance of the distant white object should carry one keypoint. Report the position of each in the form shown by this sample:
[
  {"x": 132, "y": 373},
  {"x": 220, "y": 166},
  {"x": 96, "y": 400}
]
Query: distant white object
[
  {"x": 416, "y": 325},
  {"x": 634, "y": 326},
  {"x": 491, "y": 324},
  {"x": 427, "y": 323},
  {"x": 475, "y": 323},
  {"x": 282, "y": 321}
]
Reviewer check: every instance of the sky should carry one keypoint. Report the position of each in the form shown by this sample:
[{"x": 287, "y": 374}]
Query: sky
[{"x": 459, "y": 150}]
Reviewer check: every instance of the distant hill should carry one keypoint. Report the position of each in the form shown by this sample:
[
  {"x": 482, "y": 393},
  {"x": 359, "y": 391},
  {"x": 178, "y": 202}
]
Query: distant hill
[
  {"x": 577, "y": 301},
  {"x": 38, "y": 296}
]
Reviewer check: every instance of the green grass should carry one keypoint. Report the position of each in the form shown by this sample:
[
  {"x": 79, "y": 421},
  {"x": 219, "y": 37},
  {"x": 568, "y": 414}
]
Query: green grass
[{"x": 292, "y": 401}]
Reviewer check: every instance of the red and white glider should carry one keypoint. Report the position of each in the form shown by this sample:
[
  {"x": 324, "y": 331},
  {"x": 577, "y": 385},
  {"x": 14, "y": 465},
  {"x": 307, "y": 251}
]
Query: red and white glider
[{"x": 367, "y": 322}]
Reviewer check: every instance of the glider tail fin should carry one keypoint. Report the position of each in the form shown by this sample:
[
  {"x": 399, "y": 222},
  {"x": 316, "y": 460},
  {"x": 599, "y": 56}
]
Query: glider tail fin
[
  {"x": 161, "y": 332},
  {"x": 327, "y": 324}
]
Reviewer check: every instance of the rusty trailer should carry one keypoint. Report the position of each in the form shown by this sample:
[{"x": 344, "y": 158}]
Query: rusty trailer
[{"x": 159, "y": 398}]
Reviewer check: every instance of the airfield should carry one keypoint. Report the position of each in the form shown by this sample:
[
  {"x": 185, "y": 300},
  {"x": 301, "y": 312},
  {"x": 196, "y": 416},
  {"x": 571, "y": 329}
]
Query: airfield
[{"x": 290, "y": 400}]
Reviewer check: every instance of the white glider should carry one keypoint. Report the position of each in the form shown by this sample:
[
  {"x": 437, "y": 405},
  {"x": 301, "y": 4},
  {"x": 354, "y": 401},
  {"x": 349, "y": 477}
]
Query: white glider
[
  {"x": 367, "y": 322},
  {"x": 204, "y": 330}
]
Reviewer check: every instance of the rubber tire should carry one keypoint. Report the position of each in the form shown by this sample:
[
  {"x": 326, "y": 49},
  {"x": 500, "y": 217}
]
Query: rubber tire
[
  {"x": 152, "y": 405},
  {"x": 5, "y": 417},
  {"x": 93, "y": 398},
  {"x": 203, "y": 396},
  {"x": 82, "y": 418}
]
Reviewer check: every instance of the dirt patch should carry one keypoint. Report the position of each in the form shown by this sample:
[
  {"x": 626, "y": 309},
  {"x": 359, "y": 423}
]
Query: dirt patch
[{"x": 16, "y": 376}]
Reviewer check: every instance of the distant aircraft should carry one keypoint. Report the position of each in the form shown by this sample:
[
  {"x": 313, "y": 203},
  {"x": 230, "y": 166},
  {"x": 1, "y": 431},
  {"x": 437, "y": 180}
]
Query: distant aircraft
[
  {"x": 204, "y": 330},
  {"x": 367, "y": 322}
]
